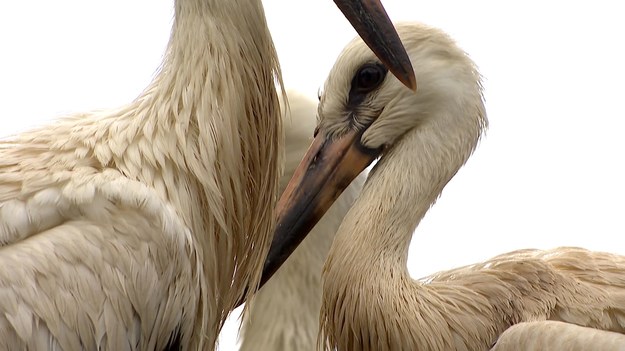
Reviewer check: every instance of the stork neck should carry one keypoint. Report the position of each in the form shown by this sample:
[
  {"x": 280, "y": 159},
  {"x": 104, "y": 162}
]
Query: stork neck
[
  {"x": 218, "y": 74},
  {"x": 366, "y": 273},
  {"x": 194, "y": 135},
  {"x": 399, "y": 191},
  {"x": 213, "y": 101},
  {"x": 211, "y": 50},
  {"x": 401, "y": 188}
]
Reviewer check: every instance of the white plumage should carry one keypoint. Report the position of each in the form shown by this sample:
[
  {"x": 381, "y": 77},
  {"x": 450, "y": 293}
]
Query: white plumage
[
  {"x": 554, "y": 336},
  {"x": 423, "y": 138},
  {"x": 140, "y": 227}
]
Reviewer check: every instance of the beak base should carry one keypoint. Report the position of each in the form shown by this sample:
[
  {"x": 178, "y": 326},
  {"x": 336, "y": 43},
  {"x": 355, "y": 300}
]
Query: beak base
[{"x": 328, "y": 167}]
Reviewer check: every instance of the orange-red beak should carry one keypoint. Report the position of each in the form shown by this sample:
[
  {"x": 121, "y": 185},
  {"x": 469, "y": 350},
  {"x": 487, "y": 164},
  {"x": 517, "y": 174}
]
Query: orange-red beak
[
  {"x": 328, "y": 167},
  {"x": 370, "y": 20}
]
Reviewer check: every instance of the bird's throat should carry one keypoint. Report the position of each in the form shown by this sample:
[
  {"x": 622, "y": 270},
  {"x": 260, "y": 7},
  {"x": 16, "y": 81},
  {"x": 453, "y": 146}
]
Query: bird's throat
[{"x": 399, "y": 191}]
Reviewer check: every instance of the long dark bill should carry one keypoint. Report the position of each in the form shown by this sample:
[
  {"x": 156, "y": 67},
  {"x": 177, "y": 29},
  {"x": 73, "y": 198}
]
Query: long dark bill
[
  {"x": 372, "y": 23},
  {"x": 328, "y": 167}
]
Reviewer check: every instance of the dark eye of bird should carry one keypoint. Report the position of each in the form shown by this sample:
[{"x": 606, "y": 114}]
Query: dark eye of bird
[{"x": 368, "y": 78}]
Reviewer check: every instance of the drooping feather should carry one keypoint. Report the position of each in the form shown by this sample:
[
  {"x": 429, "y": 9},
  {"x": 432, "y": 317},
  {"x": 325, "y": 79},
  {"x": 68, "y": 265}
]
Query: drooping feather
[{"x": 127, "y": 228}]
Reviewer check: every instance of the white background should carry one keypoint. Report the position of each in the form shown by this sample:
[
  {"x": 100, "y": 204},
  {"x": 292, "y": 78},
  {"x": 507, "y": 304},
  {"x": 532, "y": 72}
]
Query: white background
[{"x": 549, "y": 173}]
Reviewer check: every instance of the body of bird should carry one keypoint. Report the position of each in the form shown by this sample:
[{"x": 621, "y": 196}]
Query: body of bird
[
  {"x": 468, "y": 308},
  {"x": 423, "y": 138},
  {"x": 554, "y": 335},
  {"x": 284, "y": 314},
  {"x": 140, "y": 227}
]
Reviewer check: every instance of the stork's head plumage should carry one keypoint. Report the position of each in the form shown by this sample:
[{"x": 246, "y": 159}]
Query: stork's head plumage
[
  {"x": 360, "y": 96},
  {"x": 364, "y": 111},
  {"x": 375, "y": 28}
]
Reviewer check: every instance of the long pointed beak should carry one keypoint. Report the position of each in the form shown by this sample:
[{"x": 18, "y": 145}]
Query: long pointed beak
[
  {"x": 370, "y": 20},
  {"x": 328, "y": 167}
]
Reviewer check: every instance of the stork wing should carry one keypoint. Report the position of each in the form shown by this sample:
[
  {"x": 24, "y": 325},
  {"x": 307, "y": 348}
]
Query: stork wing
[
  {"x": 568, "y": 284},
  {"x": 95, "y": 262}
]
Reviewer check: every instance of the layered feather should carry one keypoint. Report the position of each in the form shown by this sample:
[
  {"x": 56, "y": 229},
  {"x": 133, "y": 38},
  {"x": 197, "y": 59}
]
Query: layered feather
[{"x": 126, "y": 228}]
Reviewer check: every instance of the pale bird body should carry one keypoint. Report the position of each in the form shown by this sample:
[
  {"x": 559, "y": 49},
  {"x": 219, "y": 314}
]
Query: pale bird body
[
  {"x": 554, "y": 336},
  {"x": 138, "y": 227},
  {"x": 423, "y": 137},
  {"x": 284, "y": 314},
  {"x": 141, "y": 228}
]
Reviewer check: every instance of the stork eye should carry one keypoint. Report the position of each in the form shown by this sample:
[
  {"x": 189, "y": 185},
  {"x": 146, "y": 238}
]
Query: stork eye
[{"x": 369, "y": 77}]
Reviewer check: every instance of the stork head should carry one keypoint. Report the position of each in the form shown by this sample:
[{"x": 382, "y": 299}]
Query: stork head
[
  {"x": 371, "y": 22},
  {"x": 364, "y": 111}
]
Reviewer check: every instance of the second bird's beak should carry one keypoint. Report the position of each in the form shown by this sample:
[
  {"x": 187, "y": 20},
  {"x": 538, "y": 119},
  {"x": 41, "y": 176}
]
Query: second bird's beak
[
  {"x": 370, "y": 20},
  {"x": 328, "y": 167}
]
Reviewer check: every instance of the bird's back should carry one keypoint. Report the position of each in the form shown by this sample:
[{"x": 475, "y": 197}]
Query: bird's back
[
  {"x": 99, "y": 280},
  {"x": 552, "y": 335},
  {"x": 566, "y": 284}
]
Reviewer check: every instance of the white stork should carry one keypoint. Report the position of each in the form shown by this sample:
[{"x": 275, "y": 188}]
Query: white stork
[
  {"x": 369, "y": 300},
  {"x": 140, "y": 228}
]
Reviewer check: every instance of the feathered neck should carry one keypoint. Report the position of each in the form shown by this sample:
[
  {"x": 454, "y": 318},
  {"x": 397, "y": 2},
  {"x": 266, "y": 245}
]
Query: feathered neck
[
  {"x": 216, "y": 96},
  {"x": 206, "y": 137},
  {"x": 366, "y": 280}
]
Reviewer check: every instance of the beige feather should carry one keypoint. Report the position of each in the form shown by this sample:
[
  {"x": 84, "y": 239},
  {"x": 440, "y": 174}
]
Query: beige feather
[
  {"x": 284, "y": 314},
  {"x": 557, "y": 336},
  {"x": 120, "y": 229},
  {"x": 369, "y": 300}
]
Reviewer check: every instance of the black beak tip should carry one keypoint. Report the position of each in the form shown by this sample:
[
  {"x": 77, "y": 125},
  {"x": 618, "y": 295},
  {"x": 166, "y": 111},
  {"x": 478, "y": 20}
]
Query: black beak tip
[{"x": 370, "y": 20}]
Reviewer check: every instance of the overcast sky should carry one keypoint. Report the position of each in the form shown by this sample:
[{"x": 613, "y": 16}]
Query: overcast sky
[{"x": 549, "y": 173}]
